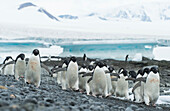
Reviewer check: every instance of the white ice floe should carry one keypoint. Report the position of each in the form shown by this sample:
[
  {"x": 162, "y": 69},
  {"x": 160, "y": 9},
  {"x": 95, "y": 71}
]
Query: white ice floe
[
  {"x": 137, "y": 57},
  {"x": 161, "y": 53},
  {"x": 53, "y": 50}
]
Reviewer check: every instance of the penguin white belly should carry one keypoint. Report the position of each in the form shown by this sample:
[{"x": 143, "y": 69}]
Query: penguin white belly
[
  {"x": 9, "y": 70},
  {"x": 109, "y": 84},
  {"x": 89, "y": 86},
  {"x": 152, "y": 89},
  {"x": 99, "y": 82},
  {"x": 33, "y": 72},
  {"x": 59, "y": 77},
  {"x": 72, "y": 76},
  {"x": 20, "y": 68},
  {"x": 114, "y": 84},
  {"x": 63, "y": 78},
  {"x": 122, "y": 87},
  {"x": 137, "y": 92},
  {"x": 82, "y": 80}
]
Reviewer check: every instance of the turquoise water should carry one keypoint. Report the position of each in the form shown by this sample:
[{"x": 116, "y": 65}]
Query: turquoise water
[
  {"x": 92, "y": 48},
  {"x": 116, "y": 51}
]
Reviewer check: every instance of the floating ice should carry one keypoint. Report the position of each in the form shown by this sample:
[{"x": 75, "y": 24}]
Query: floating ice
[
  {"x": 137, "y": 57},
  {"x": 161, "y": 53}
]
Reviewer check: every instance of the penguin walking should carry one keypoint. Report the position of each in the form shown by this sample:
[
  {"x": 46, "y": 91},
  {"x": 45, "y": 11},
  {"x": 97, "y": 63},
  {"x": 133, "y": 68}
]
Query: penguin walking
[
  {"x": 108, "y": 79},
  {"x": 146, "y": 71},
  {"x": 63, "y": 75},
  {"x": 72, "y": 78},
  {"x": 8, "y": 69},
  {"x": 82, "y": 80},
  {"x": 122, "y": 84},
  {"x": 33, "y": 70},
  {"x": 20, "y": 66},
  {"x": 151, "y": 87},
  {"x": 99, "y": 86},
  {"x": 137, "y": 91}
]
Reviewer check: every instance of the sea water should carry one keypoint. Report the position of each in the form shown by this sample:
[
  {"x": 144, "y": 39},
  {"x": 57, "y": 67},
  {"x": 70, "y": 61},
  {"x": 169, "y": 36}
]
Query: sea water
[{"x": 93, "y": 48}]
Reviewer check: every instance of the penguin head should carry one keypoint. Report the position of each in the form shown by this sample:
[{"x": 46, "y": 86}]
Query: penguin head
[
  {"x": 73, "y": 59},
  {"x": 21, "y": 56},
  {"x": 83, "y": 65},
  {"x": 35, "y": 52},
  {"x": 66, "y": 62},
  {"x": 90, "y": 67},
  {"x": 140, "y": 72},
  {"x": 154, "y": 70},
  {"x": 7, "y": 58},
  {"x": 125, "y": 73},
  {"x": 84, "y": 57},
  {"x": 111, "y": 69},
  {"x": 132, "y": 74},
  {"x": 146, "y": 70},
  {"x": 100, "y": 64}
]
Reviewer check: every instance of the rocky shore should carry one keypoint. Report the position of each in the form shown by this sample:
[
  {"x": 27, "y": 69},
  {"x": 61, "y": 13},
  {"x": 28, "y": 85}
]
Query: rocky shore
[{"x": 19, "y": 96}]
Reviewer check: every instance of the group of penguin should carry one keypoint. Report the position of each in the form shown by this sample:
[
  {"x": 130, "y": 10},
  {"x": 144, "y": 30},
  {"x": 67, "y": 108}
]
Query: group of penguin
[
  {"x": 96, "y": 78},
  {"x": 28, "y": 69},
  {"x": 99, "y": 79}
]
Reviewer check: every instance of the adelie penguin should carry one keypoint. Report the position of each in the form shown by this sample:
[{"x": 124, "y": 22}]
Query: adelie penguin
[
  {"x": 72, "y": 78},
  {"x": 151, "y": 87},
  {"x": 20, "y": 66},
  {"x": 82, "y": 80},
  {"x": 63, "y": 75},
  {"x": 99, "y": 86},
  {"x": 9, "y": 68},
  {"x": 122, "y": 84},
  {"x": 33, "y": 70}
]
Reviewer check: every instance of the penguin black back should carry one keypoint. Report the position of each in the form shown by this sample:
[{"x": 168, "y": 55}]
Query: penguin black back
[
  {"x": 111, "y": 69},
  {"x": 146, "y": 70},
  {"x": 132, "y": 74}
]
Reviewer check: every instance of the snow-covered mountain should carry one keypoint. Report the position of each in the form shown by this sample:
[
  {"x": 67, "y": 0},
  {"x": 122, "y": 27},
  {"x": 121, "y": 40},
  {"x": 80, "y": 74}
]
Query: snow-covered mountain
[{"x": 147, "y": 17}]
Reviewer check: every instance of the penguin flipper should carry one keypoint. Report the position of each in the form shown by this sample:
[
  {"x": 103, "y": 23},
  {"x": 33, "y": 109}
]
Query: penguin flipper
[
  {"x": 89, "y": 80},
  {"x": 46, "y": 68},
  {"x": 114, "y": 79},
  {"x": 81, "y": 73},
  {"x": 59, "y": 69},
  {"x": 87, "y": 74},
  {"x": 115, "y": 74},
  {"x": 131, "y": 79},
  {"x": 141, "y": 79},
  {"x": 4, "y": 65},
  {"x": 136, "y": 86}
]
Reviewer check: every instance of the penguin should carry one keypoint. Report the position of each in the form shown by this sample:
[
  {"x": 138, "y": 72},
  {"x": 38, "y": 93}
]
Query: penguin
[
  {"x": 20, "y": 66},
  {"x": 88, "y": 80},
  {"x": 8, "y": 69},
  {"x": 145, "y": 73},
  {"x": 99, "y": 86},
  {"x": 122, "y": 84},
  {"x": 152, "y": 87},
  {"x": 59, "y": 76},
  {"x": 33, "y": 69},
  {"x": 113, "y": 83},
  {"x": 63, "y": 75},
  {"x": 82, "y": 80},
  {"x": 84, "y": 57},
  {"x": 136, "y": 92},
  {"x": 109, "y": 82},
  {"x": 72, "y": 78}
]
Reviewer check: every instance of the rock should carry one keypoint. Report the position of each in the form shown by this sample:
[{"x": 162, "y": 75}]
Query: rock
[
  {"x": 5, "y": 94},
  {"x": 34, "y": 101},
  {"x": 3, "y": 103},
  {"x": 167, "y": 85}
]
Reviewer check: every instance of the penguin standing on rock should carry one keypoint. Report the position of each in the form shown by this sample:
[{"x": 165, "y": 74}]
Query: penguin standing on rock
[
  {"x": 122, "y": 84},
  {"x": 151, "y": 87},
  {"x": 72, "y": 78},
  {"x": 82, "y": 80},
  {"x": 99, "y": 86},
  {"x": 20, "y": 66},
  {"x": 33, "y": 70}
]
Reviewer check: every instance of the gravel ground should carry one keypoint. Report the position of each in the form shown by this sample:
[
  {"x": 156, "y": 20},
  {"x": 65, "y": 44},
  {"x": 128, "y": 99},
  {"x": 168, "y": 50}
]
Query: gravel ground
[{"x": 19, "y": 96}]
